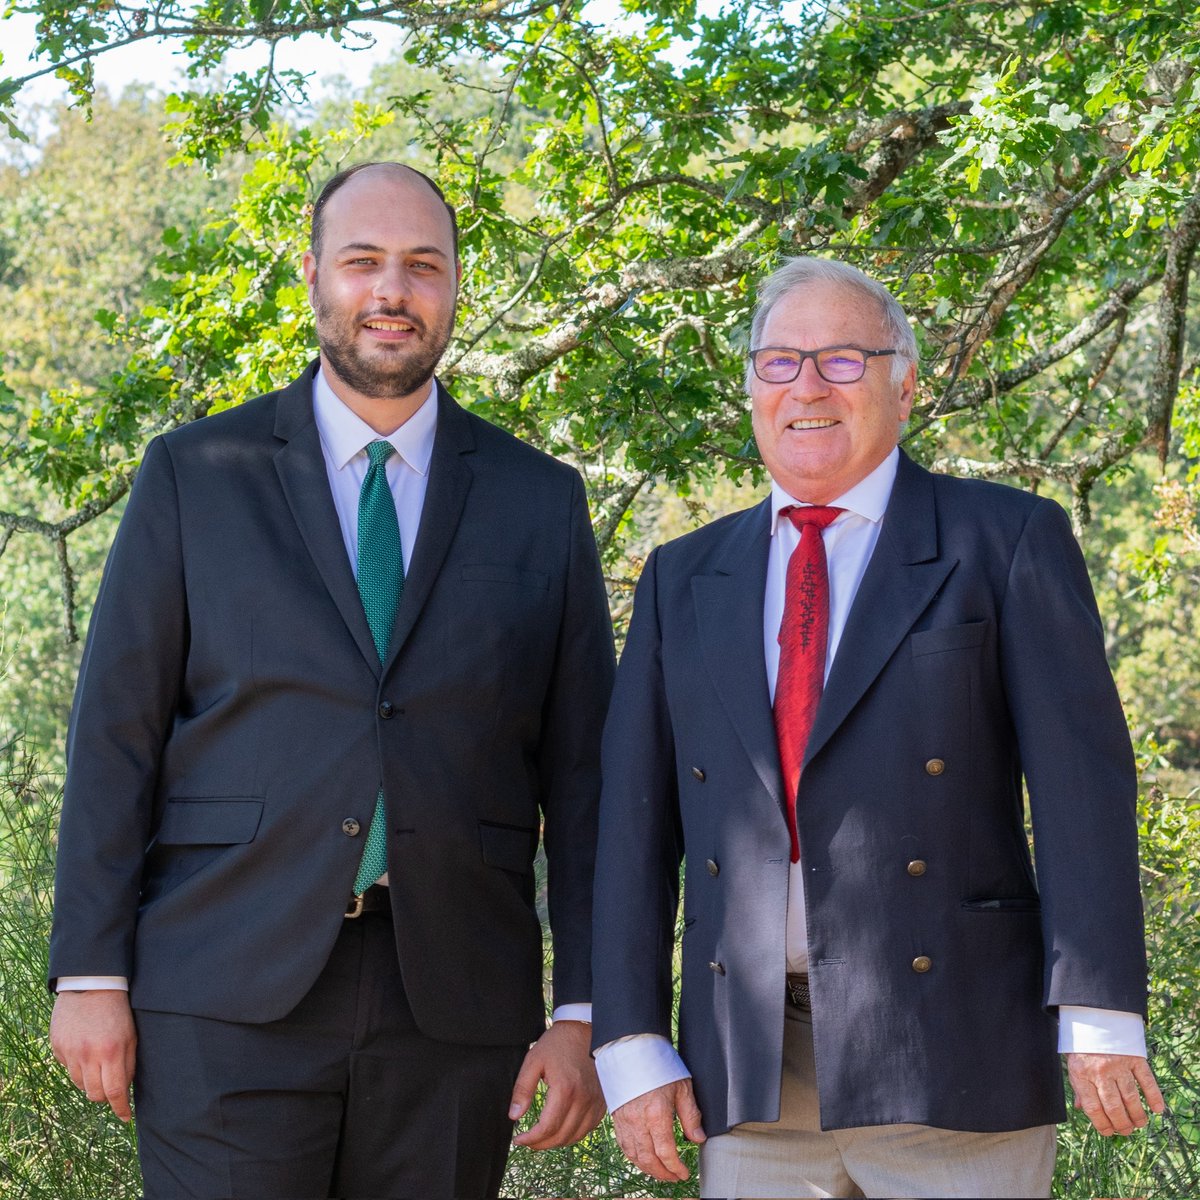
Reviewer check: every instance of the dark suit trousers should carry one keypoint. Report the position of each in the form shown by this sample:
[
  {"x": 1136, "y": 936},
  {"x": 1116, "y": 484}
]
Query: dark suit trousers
[{"x": 344, "y": 1097}]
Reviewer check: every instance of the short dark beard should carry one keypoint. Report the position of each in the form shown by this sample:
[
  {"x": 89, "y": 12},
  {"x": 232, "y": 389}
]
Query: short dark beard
[{"x": 379, "y": 380}]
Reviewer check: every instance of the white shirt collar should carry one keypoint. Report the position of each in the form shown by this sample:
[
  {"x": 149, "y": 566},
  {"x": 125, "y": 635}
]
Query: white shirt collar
[
  {"x": 346, "y": 434},
  {"x": 867, "y": 498}
]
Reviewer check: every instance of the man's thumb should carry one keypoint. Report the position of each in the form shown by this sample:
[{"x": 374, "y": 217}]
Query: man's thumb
[
  {"x": 522, "y": 1093},
  {"x": 689, "y": 1116}
]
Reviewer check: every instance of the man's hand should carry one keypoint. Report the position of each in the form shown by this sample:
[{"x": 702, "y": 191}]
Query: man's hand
[
  {"x": 574, "y": 1103},
  {"x": 645, "y": 1129},
  {"x": 1109, "y": 1088},
  {"x": 92, "y": 1035}
]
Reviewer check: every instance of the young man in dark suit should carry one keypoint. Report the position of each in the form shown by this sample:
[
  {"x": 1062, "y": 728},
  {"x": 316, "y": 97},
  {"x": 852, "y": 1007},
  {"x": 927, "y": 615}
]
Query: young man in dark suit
[{"x": 350, "y": 654}]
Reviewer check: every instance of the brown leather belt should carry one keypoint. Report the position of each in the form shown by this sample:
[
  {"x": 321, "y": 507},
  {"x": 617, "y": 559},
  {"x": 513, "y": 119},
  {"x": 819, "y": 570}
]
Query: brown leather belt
[
  {"x": 797, "y": 992},
  {"x": 375, "y": 899}
]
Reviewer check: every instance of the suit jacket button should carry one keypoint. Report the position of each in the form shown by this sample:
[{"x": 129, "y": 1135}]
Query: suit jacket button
[
  {"x": 922, "y": 963},
  {"x": 916, "y": 867},
  {"x": 713, "y": 869},
  {"x": 935, "y": 766},
  {"x": 698, "y": 774},
  {"x": 350, "y": 827},
  {"x": 718, "y": 967},
  {"x": 387, "y": 710}
]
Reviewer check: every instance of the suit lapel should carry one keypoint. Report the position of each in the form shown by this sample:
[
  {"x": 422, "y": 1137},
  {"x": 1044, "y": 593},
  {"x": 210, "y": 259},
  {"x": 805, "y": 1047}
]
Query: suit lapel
[
  {"x": 449, "y": 482},
  {"x": 300, "y": 465},
  {"x": 901, "y": 579},
  {"x": 729, "y": 614}
]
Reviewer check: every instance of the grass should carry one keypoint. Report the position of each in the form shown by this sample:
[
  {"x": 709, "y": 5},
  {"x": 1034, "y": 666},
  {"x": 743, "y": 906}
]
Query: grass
[
  {"x": 56, "y": 1145},
  {"x": 595, "y": 1167}
]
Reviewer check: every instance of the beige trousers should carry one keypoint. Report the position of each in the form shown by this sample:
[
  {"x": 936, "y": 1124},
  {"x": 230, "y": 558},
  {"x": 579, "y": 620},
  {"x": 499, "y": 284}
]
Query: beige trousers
[{"x": 794, "y": 1158}]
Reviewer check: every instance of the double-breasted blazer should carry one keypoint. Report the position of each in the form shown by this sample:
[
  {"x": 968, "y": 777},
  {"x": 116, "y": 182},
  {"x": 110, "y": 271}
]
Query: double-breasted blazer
[
  {"x": 971, "y": 672},
  {"x": 232, "y": 725}
]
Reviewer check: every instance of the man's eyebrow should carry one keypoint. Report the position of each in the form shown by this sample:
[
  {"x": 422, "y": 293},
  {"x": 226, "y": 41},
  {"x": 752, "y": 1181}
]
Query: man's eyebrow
[{"x": 373, "y": 249}]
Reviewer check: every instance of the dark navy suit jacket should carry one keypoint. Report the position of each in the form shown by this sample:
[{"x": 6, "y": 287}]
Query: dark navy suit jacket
[
  {"x": 972, "y": 663},
  {"x": 232, "y": 725}
]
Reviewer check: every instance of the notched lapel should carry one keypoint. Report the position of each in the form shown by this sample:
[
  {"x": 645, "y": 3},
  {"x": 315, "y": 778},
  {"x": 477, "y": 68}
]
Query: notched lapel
[
  {"x": 449, "y": 482},
  {"x": 300, "y": 465},
  {"x": 729, "y": 615},
  {"x": 901, "y": 579}
]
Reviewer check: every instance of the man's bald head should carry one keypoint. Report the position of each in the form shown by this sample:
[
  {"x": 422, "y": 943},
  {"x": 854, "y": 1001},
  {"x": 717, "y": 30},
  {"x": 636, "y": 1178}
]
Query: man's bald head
[{"x": 344, "y": 176}]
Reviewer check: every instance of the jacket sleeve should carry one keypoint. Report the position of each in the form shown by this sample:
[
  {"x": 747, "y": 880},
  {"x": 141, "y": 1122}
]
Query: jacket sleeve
[
  {"x": 1079, "y": 771},
  {"x": 125, "y": 703},
  {"x": 641, "y": 846},
  {"x": 569, "y": 759}
]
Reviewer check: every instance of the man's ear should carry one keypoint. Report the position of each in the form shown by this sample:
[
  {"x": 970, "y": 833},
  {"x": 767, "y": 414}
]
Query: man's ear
[
  {"x": 908, "y": 391},
  {"x": 309, "y": 266}
]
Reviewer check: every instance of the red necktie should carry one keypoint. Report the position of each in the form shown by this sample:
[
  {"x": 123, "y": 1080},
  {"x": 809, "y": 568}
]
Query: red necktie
[{"x": 803, "y": 637}]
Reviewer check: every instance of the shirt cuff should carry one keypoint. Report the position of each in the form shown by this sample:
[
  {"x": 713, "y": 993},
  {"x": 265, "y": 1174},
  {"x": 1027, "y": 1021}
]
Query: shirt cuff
[
  {"x": 1100, "y": 1031},
  {"x": 91, "y": 983},
  {"x": 572, "y": 1012},
  {"x": 631, "y": 1066}
]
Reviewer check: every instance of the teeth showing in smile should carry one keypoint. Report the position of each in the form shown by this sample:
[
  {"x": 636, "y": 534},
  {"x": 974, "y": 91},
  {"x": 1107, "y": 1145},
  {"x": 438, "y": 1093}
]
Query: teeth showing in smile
[
  {"x": 812, "y": 423},
  {"x": 389, "y": 325}
]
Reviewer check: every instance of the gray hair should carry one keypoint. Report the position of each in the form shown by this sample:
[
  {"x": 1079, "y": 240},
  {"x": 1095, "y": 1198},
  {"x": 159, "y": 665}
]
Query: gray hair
[{"x": 797, "y": 273}]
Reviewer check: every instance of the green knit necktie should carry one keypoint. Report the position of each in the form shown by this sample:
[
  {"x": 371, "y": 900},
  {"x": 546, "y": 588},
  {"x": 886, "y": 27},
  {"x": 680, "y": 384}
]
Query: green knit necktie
[{"x": 380, "y": 583}]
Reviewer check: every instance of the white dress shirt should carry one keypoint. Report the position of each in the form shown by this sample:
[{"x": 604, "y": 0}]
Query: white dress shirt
[
  {"x": 344, "y": 441},
  {"x": 630, "y": 1066}
]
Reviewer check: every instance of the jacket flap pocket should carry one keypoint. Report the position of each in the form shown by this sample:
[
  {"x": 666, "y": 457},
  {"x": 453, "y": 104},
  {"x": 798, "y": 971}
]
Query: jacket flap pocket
[
  {"x": 220, "y": 821},
  {"x": 953, "y": 637},
  {"x": 508, "y": 846},
  {"x": 504, "y": 573},
  {"x": 1004, "y": 904}
]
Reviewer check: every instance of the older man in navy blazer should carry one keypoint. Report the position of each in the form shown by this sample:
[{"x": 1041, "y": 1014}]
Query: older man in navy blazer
[
  {"x": 875, "y": 990},
  {"x": 347, "y": 614}
]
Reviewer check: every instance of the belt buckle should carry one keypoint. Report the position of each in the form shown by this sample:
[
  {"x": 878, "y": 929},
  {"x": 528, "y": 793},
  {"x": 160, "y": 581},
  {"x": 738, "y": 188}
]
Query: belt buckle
[
  {"x": 798, "y": 993},
  {"x": 354, "y": 909}
]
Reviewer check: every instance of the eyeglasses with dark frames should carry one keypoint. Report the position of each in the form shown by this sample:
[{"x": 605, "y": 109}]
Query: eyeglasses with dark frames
[{"x": 835, "y": 364}]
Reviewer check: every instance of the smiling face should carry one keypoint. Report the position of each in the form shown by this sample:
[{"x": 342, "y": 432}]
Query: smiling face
[
  {"x": 819, "y": 439},
  {"x": 383, "y": 292}
]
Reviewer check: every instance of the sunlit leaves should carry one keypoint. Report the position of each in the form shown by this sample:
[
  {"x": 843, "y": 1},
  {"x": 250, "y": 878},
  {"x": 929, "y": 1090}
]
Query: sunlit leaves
[{"x": 603, "y": 172}]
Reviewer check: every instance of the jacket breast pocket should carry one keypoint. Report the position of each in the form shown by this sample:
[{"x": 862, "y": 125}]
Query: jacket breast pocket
[
  {"x": 209, "y": 821},
  {"x": 951, "y": 637},
  {"x": 505, "y": 573}
]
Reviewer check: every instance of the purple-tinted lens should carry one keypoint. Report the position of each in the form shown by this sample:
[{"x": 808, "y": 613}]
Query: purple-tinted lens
[
  {"x": 778, "y": 366},
  {"x": 841, "y": 365}
]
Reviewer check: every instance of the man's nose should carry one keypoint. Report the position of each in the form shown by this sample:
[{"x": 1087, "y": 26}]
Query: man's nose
[
  {"x": 392, "y": 285},
  {"x": 808, "y": 385}
]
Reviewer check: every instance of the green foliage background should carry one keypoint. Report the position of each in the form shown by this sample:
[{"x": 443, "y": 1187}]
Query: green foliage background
[{"x": 1021, "y": 174}]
